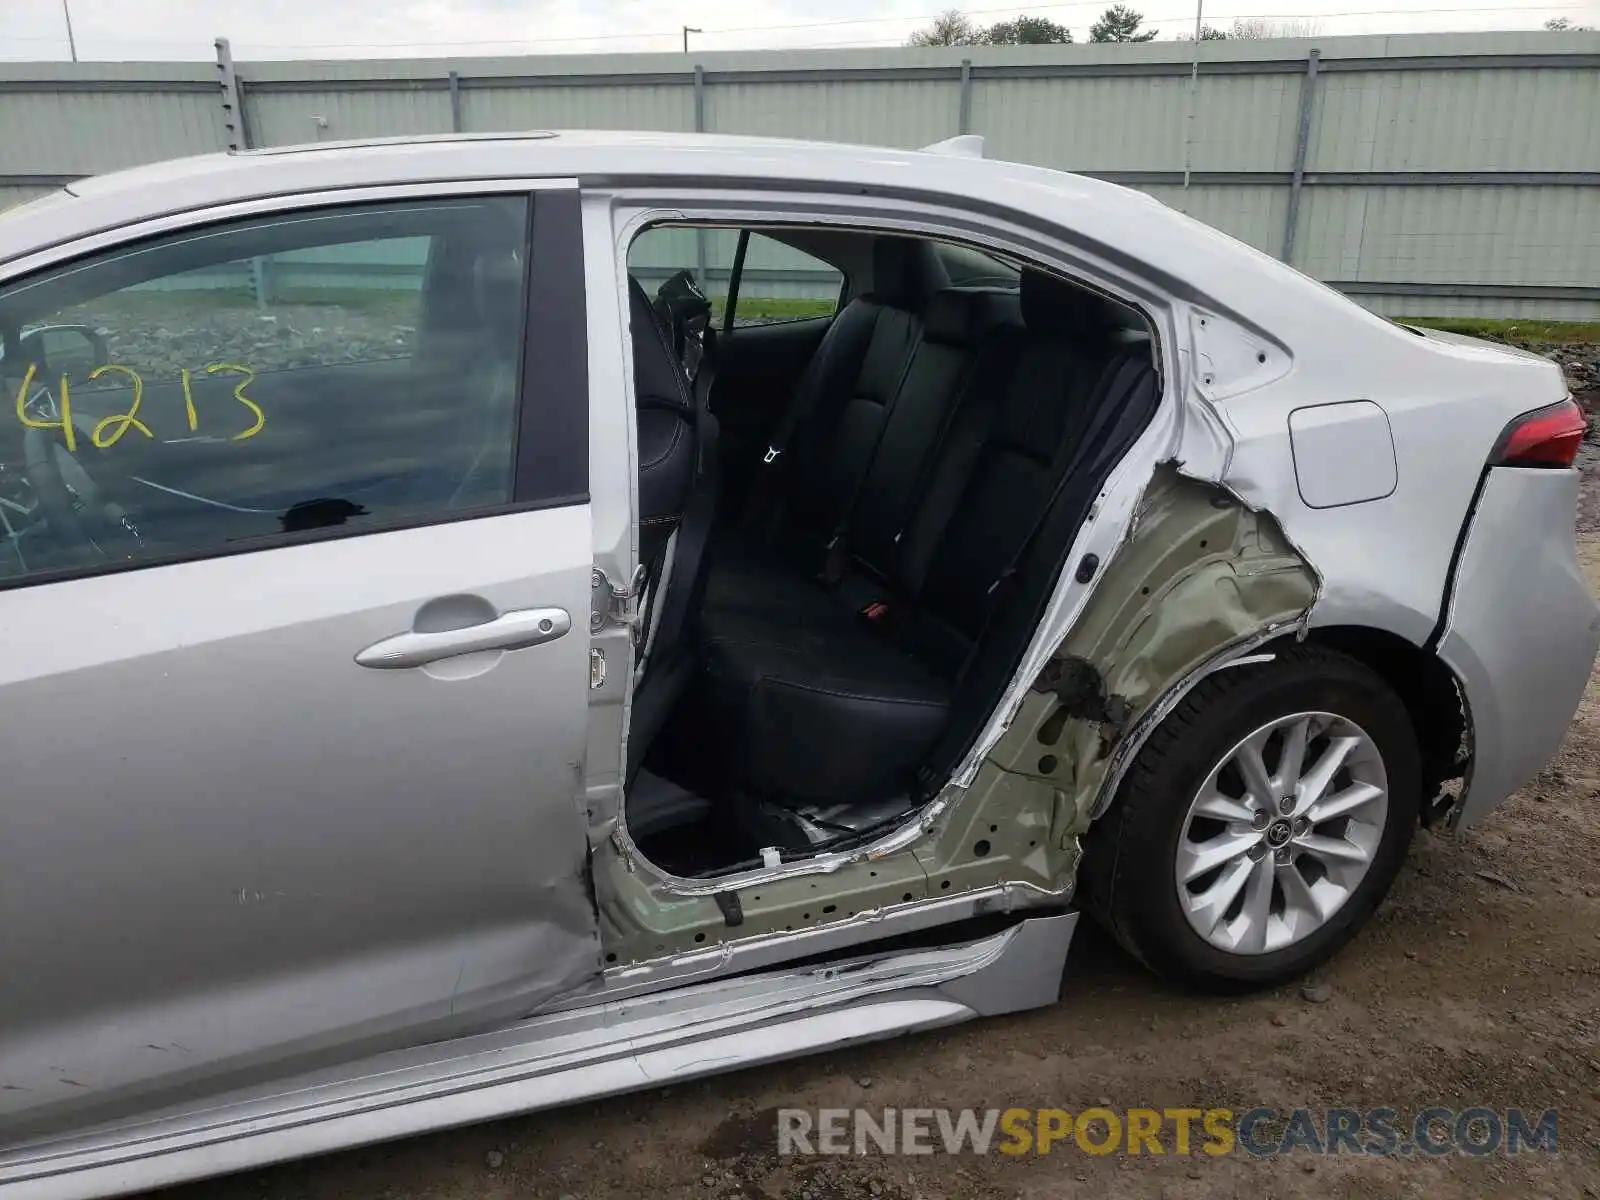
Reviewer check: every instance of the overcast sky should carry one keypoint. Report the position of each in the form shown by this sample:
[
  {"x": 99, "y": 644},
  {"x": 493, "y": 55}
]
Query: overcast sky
[{"x": 157, "y": 29}]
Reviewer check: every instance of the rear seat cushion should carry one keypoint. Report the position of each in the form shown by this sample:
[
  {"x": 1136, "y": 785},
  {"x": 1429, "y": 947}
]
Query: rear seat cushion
[{"x": 820, "y": 708}]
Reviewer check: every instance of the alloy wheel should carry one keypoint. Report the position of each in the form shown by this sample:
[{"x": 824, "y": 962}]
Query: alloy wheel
[{"x": 1281, "y": 833}]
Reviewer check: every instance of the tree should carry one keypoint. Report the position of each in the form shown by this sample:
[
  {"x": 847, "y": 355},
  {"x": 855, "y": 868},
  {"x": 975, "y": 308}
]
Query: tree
[
  {"x": 952, "y": 28},
  {"x": 1255, "y": 29},
  {"x": 1565, "y": 25},
  {"x": 1119, "y": 23},
  {"x": 955, "y": 28},
  {"x": 1208, "y": 33},
  {"x": 1027, "y": 31}
]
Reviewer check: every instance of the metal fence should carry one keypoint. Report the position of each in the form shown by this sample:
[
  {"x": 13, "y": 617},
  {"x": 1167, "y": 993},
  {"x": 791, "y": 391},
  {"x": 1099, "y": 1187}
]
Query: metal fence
[{"x": 1426, "y": 174}]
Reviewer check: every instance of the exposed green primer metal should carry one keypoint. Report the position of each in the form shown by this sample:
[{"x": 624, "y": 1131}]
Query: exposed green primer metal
[
  {"x": 640, "y": 919},
  {"x": 1000, "y": 831},
  {"x": 1199, "y": 573}
]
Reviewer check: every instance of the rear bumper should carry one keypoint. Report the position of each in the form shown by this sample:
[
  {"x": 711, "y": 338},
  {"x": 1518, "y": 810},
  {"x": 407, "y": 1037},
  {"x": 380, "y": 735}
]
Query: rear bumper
[{"x": 1521, "y": 632}]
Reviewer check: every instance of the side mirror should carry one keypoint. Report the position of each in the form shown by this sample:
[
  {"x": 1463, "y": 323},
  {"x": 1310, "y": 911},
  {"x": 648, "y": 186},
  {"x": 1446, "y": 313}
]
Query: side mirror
[{"x": 70, "y": 350}]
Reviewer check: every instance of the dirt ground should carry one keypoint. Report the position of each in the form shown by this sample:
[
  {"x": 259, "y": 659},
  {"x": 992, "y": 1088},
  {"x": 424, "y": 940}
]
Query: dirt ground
[{"x": 1477, "y": 984}]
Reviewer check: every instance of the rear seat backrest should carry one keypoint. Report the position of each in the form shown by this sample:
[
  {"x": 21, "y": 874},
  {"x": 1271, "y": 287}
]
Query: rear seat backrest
[
  {"x": 941, "y": 365},
  {"x": 848, "y": 392},
  {"x": 1022, "y": 419}
]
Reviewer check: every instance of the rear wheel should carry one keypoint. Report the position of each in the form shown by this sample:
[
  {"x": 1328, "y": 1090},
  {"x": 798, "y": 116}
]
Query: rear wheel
[{"x": 1260, "y": 825}]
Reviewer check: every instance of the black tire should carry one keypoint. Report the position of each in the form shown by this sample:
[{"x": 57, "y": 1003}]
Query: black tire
[{"x": 1129, "y": 854}]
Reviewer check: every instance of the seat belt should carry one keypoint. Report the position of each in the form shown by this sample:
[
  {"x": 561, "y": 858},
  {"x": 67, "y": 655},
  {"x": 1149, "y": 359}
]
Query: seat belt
[{"x": 765, "y": 501}]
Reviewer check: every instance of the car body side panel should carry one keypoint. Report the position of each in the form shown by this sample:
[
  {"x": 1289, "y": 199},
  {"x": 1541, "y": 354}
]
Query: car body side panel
[
  {"x": 228, "y": 850},
  {"x": 1385, "y": 563},
  {"x": 1522, "y": 631}
]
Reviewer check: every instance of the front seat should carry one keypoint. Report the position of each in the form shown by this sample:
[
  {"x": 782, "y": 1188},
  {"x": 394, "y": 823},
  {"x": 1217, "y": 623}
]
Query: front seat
[{"x": 677, "y": 505}]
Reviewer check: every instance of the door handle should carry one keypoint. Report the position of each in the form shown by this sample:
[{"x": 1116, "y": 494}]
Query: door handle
[{"x": 514, "y": 630}]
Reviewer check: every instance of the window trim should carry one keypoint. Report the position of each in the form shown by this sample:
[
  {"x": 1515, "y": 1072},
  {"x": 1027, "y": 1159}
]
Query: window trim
[
  {"x": 554, "y": 368},
  {"x": 566, "y": 363},
  {"x": 107, "y": 237}
]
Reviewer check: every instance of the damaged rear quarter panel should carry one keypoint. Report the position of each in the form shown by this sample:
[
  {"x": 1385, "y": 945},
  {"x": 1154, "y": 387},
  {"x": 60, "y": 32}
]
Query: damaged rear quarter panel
[{"x": 1199, "y": 575}]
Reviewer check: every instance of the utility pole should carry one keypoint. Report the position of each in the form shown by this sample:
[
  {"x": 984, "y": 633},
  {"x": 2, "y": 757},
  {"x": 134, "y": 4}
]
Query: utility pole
[
  {"x": 72, "y": 42},
  {"x": 687, "y": 30}
]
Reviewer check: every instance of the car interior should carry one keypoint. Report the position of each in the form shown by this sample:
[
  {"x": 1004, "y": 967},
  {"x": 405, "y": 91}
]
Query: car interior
[{"x": 850, "y": 528}]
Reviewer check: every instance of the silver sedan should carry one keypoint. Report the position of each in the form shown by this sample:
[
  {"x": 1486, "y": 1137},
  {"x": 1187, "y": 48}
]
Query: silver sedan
[{"x": 490, "y": 622}]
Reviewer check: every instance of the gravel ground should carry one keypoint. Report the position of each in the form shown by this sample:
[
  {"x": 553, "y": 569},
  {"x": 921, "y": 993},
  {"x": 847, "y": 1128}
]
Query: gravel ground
[{"x": 1475, "y": 985}]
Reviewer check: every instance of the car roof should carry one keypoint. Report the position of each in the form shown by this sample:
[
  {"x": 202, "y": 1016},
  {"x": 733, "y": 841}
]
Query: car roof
[
  {"x": 582, "y": 154},
  {"x": 1119, "y": 223}
]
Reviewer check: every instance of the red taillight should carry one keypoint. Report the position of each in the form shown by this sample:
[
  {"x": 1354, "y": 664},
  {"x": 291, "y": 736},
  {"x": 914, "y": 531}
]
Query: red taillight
[{"x": 1546, "y": 437}]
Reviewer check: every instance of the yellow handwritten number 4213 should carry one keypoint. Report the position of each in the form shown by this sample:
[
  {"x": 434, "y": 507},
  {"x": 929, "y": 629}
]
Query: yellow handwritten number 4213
[{"x": 108, "y": 431}]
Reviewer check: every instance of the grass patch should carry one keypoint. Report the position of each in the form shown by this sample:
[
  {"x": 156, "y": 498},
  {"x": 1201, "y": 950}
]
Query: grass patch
[
  {"x": 775, "y": 308},
  {"x": 1511, "y": 329}
]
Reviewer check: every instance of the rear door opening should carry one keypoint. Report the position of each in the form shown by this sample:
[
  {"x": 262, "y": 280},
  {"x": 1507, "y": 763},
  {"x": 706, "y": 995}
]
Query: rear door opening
[{"x": 910, "y": 433}]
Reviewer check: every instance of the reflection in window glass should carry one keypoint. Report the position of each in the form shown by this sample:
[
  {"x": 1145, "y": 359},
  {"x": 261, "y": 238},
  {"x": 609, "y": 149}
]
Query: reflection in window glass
[{"x": 355, "y": 367}]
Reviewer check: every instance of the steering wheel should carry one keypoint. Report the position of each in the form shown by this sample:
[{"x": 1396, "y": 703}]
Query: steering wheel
[{"x": 89, "y": 527}]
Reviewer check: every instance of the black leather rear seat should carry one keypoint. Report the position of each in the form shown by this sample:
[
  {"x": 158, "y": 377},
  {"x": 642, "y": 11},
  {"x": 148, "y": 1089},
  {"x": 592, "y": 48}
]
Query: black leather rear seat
[
  {"x": 866, "y": 524},
  {"x": 811, "y": 699},
  {"x": 848, "y": 393}
]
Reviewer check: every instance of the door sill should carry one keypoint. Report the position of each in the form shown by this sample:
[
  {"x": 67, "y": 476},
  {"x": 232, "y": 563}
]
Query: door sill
[{"x": 559, "y": 1058}]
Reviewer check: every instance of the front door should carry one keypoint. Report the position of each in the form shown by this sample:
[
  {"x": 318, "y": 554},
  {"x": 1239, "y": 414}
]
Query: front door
[{"x": 293, "y": 646}]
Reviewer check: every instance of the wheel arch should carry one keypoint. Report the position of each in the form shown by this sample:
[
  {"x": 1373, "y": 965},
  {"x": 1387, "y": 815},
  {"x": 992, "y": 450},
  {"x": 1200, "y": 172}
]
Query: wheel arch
[
  {"x": 1204, "y": 584},
  {"x": 1432, "y": 694}
]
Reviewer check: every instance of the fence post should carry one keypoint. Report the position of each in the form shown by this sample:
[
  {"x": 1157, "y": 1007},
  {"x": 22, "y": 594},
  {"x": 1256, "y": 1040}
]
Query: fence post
[
  {"x": 964, "y": 121},
  {"x": 455, "y": 102},
  {"x": 1308, "y": 98},
  {"x": 238, "y": 136}
]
